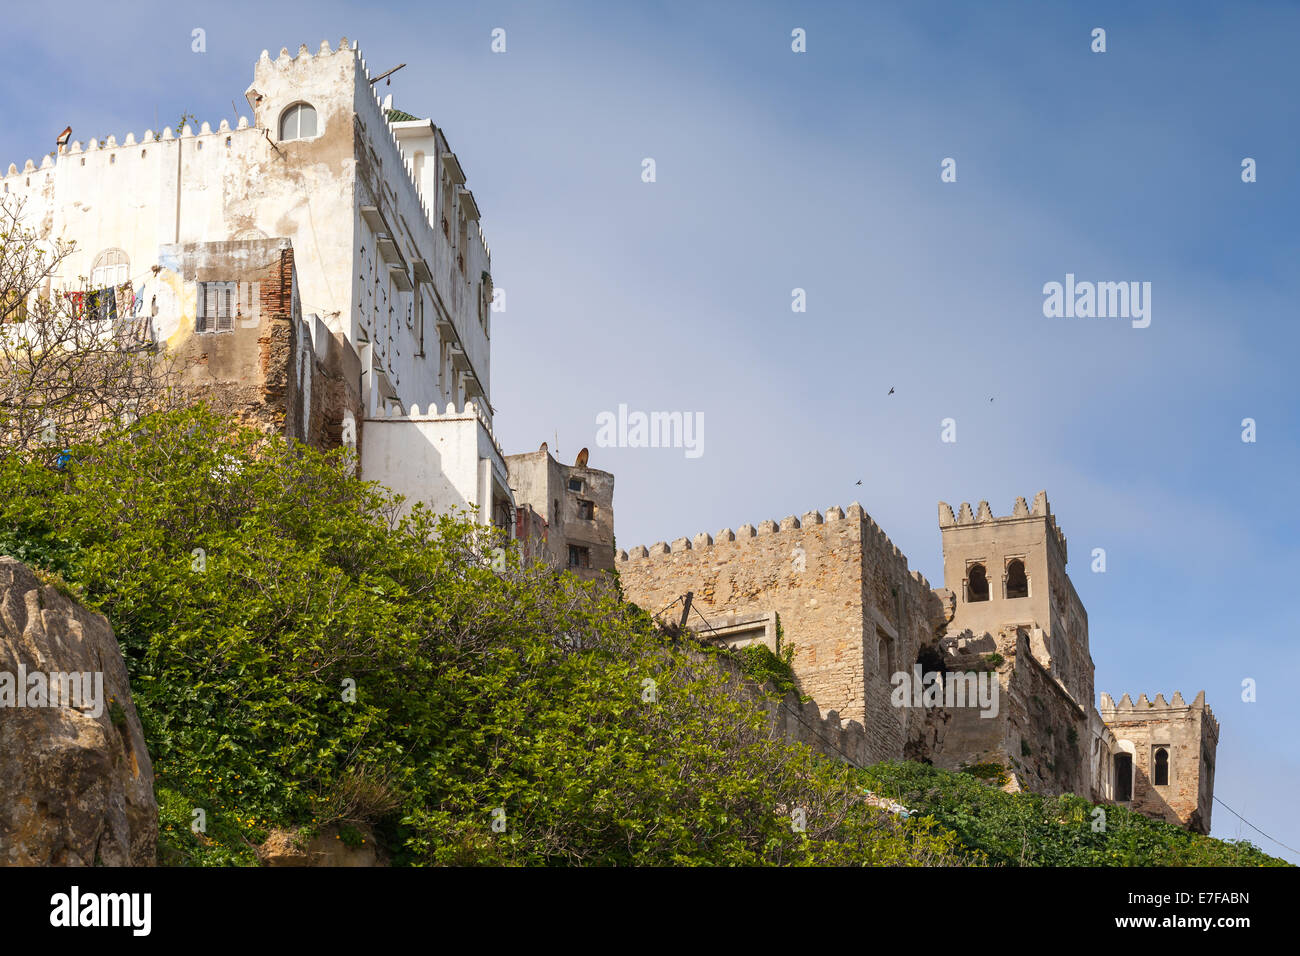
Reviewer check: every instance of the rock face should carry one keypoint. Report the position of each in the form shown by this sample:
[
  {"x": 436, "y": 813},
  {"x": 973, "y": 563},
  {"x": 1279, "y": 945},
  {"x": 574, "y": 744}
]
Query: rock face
[{"x": 76, "y": 782}]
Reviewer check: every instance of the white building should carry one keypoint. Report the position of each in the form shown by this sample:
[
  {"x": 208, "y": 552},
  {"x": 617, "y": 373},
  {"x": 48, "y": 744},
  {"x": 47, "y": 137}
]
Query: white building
[{"x": 386, "y": 243}]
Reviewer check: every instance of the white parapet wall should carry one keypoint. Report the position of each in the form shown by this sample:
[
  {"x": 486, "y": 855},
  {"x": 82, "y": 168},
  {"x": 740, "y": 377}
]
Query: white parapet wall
[{"x": 448, "y": 461}]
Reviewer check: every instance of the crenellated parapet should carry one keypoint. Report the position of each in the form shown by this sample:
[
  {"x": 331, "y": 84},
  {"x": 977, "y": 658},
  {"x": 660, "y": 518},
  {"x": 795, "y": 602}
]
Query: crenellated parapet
[
  {"x": 114, "y": 149},
  {"x": 1177, "y": 706},
  {"x": 984, "y": 515},
  {"x": 790, "y": 526},
  {"x": 470, "y": 410}
]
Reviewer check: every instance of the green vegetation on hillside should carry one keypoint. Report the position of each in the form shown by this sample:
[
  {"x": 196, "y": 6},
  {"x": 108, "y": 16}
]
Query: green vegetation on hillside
[
  {"x": 1024, "y": 829},
  {"x": 250, "y": 582},
  {"x": 300, "y": 656}
]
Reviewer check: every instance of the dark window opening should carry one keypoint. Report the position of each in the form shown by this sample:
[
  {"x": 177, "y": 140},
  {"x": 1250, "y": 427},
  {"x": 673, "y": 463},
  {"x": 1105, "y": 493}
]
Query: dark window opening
[
  {"x": 1162, "y": 767},
  {"x": 575, "y": 484},
  {"x": 1017, "y": 580},
  {"x": 586, "y": 510},
  {"x": 977, "y": 583},
  {"x": 579, "y": 557},
  {"x": 1123, "y": 777}
]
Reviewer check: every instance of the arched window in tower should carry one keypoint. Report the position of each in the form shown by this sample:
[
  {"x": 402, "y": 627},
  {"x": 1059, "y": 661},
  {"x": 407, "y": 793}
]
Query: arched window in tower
[
  {"x": 1017, "y": 580},
  {"x": 977, "y": 583},
  {"x": 298, "y": 122},
  {"x": 1161, "y": 774}
]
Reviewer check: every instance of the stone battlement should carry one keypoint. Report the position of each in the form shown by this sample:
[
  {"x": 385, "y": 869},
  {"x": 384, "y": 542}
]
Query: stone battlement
[
  {"x": 1126, "y": 707},
  {"x": 748, "y": 532}
]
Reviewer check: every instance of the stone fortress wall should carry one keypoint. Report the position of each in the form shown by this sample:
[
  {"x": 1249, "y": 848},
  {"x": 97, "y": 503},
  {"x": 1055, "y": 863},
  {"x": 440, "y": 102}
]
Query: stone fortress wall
[{"x": 858, "y": 617}]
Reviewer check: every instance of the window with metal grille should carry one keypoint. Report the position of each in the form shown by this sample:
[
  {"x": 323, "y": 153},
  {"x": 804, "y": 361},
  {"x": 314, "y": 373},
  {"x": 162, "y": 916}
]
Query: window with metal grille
[{"x": 218, "y": 303}]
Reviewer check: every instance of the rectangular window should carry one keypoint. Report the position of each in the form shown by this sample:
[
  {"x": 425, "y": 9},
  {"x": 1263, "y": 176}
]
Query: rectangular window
[
  {"x": 575, "y": 484},
  {"x": 579, "y": 557},
  {"x": 218, "y": 304},
  {"x": 586, "y": 510}
]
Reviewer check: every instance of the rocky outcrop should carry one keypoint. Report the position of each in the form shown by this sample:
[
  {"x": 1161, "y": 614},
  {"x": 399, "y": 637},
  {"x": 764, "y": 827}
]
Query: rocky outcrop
[{"x": 76, "y": 783}]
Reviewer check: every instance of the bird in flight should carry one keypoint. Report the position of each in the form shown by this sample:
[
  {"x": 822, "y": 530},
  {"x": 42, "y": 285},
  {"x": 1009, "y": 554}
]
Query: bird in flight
[
  {"x": 891, "y": 390},
  {"x": 859, "y": 481}
]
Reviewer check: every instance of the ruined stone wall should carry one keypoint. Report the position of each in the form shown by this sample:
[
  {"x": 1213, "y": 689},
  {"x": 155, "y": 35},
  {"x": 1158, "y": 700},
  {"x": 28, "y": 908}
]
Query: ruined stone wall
[
  {"x": 1047, "y": 738},
  {"x": 274, "y": 370},
  {"x": 543, "y": 483},
  {"x": 802, "y": 721},
  {"x": 1040, "y": 733},
  {"x": 846, "y": 600}
]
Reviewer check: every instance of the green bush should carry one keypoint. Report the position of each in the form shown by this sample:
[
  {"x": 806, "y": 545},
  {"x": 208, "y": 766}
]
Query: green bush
[{"x": 760, "y": 665}]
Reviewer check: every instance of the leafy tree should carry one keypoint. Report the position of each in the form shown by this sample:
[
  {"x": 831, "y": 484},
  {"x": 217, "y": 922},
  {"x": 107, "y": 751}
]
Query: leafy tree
[{"x": 68, "y": 362}]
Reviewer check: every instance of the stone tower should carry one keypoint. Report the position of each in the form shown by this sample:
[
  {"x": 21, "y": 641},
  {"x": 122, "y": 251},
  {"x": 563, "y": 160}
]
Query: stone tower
[
  {"x": 1164, "y": 761},
  {"x": 1010, "y": 572}
]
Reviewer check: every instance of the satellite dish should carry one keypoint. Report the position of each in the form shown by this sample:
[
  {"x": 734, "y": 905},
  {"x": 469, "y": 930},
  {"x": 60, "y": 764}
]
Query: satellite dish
[
  {"x": 582, "y": 459},
  {"x": 543, "y": 448}
]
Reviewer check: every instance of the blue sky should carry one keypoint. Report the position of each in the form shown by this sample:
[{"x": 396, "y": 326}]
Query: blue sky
[{"x": 820, "y": 171}]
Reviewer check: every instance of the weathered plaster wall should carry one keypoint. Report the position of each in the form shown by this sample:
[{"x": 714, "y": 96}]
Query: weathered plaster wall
[{"x": 542, "y": 482}]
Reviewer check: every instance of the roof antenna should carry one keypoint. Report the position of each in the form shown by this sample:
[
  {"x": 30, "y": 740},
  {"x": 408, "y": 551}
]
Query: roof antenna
[{"x": 386, "y": 74}]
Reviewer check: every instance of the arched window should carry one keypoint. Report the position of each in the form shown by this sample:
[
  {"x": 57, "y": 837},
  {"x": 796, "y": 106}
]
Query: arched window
[
  {"x": 1162, "y": 767},
  {"x": 1017, "y": 580},
  {"x": 298, "y": 122},
  {"x": 111, "y": 268},
  {"x": 977, "y": 583}
]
